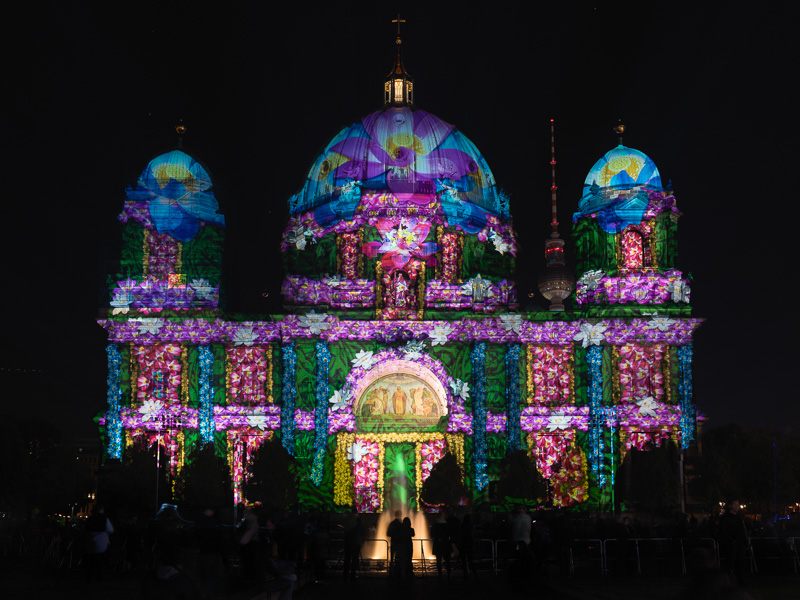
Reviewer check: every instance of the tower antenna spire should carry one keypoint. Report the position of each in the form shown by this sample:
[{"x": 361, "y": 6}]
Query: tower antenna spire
[
  {"x": 553, "y": 186},
  {"x": 556, "y": 282}
]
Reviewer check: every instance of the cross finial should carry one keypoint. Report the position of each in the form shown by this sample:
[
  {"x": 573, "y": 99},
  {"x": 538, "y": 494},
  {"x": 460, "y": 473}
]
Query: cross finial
[{"x": 398, "y": 20}]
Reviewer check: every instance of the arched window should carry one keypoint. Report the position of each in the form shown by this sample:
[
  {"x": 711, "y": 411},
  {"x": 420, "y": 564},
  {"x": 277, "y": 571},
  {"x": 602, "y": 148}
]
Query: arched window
[{"x": 633, "y": 250}]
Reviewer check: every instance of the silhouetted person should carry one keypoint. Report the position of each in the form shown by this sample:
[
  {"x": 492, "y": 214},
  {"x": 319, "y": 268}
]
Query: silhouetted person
[
  {"x": 318, "y": 545},
  {"x": 210, "y": 557},
  {"x": 405, "y": 550},
  {"x": 465, "y": 547},
  {"x": 248, "y": 544},
  {"x": 521, "y": 526},
  {"x": 353, "y": 540},
  {"x": 279, "y": 577},
  {"x": 98, "y": 528},
  {"x": 733, "y": 540},
  {"x": 393, "y": 533},
  {"x": 440, "y": 532},
  {"x": 564, "y": 535}
]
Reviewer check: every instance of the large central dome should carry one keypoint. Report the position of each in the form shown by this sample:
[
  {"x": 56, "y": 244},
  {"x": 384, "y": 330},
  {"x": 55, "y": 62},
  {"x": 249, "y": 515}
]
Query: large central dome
[{"x": 408, "y": 154}]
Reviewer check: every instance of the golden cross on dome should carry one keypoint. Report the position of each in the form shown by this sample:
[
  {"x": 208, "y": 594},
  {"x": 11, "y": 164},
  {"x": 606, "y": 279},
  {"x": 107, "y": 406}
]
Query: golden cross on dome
[{"x": 398, "y": 20}]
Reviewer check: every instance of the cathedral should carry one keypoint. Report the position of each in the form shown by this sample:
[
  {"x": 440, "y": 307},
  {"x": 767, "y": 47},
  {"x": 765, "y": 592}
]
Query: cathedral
[{"x": 402, "y": 337}]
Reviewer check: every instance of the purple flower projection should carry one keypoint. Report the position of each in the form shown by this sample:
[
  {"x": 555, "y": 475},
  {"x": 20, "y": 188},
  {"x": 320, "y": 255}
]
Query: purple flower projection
[
  {"x": 401, "y": 240},
  {"x": 648, "y": 329},
  {"x": 633, "y": 288},
  {"x": 152, "y": 295},
  {"x": 405, "y": 153}
]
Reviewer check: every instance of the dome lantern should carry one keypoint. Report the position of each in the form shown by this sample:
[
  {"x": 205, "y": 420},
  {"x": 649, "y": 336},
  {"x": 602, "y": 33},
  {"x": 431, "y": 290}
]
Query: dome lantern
[{"x": 398, "y": 87}]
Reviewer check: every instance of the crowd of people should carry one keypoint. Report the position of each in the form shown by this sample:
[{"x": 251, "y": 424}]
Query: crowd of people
[{"x": 206, "y": 559}]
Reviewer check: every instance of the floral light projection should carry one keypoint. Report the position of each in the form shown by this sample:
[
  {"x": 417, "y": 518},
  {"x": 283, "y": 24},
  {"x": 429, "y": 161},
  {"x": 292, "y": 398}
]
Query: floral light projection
[
  {"x": 321, "y": 393},
  {"x": 688, "y": 415},
  {"x": 594, "y": 359},
  {"x": 563, "y": 464},
  {"x": 246, "y": 372},
  {"x": 401, "y": 240},
  {"x": 550, "y": 374},
  {"x": 159, "y": 368},
  {"x": 348, "y": 248},
  {"x": 206, "y": 393},
  {"x": 114, "y": 396},
  {"x": 478, "y": 359},
  {"x": 636, "y": 288},
  {"x": 432, "y": 315},
  {"x": 634, "y": 251},
  {"x": 367, "y": 459},
  {"x": 450, "y": 245},
  {"x": 514, "y": 441},
  {"x": 640, "y": 373},
  {"x": 430, "y": 453},
  {"x": 365, "y": 455},
  {"x": 288, "y": 395},
  {"x": 241, "y": 447},
  {"x": 161, "y": 255}
]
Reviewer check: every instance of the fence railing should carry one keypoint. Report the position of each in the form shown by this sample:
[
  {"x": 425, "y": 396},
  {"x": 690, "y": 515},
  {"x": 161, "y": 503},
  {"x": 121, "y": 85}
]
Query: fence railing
[{"x": 601, "y": 556}]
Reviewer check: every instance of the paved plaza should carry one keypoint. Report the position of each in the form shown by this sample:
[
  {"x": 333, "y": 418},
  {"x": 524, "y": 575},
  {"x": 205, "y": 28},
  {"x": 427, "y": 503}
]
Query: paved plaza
[{"x": 27, "y": 578}]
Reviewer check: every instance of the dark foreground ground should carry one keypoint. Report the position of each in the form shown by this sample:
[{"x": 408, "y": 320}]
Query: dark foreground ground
[{"x": 27, "y": 578}]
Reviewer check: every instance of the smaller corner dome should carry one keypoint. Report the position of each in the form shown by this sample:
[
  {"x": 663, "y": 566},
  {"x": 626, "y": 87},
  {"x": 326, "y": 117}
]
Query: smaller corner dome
[
  {"x": 621, "y": 169},
  {"x": 617, "y": 188},
  {"x": 179, "y": 167},
  {"x": 177, "y": 192}
]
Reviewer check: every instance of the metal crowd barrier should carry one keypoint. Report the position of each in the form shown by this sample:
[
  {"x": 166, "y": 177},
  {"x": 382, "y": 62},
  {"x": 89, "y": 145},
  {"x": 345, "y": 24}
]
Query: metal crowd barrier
[{"x": 655, "y": 549}]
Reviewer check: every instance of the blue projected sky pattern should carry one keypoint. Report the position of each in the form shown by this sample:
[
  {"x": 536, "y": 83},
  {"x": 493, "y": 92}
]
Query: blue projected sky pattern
[
  {"x": 178, "y": 193},
  {"x": 616, "y": 188}
]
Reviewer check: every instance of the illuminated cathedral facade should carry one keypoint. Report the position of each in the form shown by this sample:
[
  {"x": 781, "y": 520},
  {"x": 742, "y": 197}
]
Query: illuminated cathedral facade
[{"x": 402, "y": 337}]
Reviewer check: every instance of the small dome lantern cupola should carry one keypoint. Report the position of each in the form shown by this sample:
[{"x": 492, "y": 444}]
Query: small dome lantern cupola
[
  {"x": 398, "y": 86},
  {"x": 557, "y": 282}
]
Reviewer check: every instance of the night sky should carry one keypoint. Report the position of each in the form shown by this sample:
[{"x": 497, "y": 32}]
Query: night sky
[{"x": 93, "y": 95}]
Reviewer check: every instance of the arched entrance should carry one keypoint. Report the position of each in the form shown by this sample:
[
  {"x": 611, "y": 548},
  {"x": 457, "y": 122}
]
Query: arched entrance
[{"x": 401, "y": 408}]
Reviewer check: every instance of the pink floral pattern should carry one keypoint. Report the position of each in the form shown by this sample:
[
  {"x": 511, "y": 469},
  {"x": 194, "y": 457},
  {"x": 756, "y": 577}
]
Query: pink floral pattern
[
  {"x": 560, "y": 461},
  {"x": 640, "y": 373},
  {"x": 401, "y": 241},
  {"x": 242, "y": 447},
  {"x": 551, "y": 374},
  {"x": 368, "y": 488},
  {"x": 248, "y": 375},
  {"x": 450, "y": 252},
  {"x": 159, "y": 373},
  {"x": 349, "y": 253},
  {"x": 430, "y": 453}
]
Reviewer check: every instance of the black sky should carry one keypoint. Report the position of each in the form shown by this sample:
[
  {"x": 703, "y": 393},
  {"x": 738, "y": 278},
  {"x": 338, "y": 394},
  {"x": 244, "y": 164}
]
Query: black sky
[{"x": 93, "y": 95}]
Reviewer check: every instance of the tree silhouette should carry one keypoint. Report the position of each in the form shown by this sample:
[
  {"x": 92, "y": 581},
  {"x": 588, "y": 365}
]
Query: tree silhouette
[
  {"x": 128, "y": 487},
  {"x": 759, "y": 467},
  {"x": 445, "y": 484},
  {"x": 654, "y": 477},
  {"x": 520, "y": 479},
  {"x": 273, "y": 479},
  {"x": 205, "y": 481}
]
